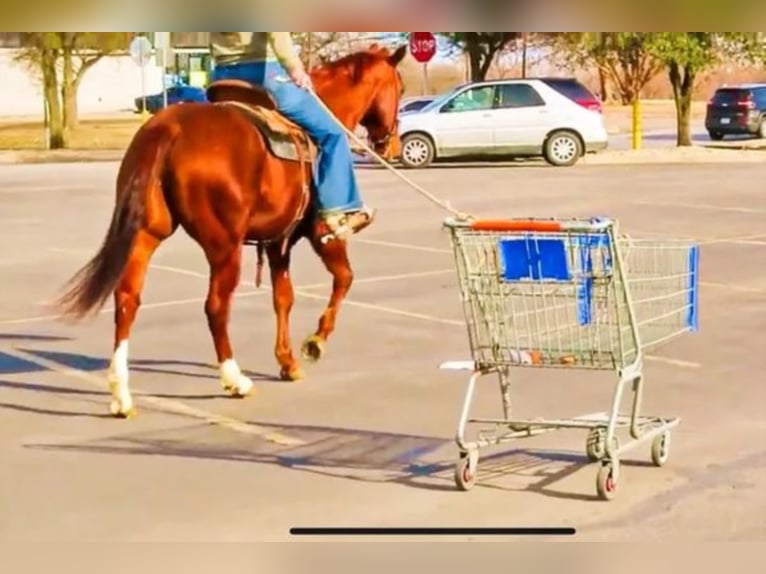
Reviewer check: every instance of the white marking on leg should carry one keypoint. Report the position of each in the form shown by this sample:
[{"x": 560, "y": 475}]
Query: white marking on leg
[
  {"x": 232, "y": 379},
  {"x": 122, "y": 401}
]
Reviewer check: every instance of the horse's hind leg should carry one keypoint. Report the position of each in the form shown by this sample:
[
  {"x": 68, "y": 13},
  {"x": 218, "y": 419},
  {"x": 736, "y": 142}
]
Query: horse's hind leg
[
  {"x": 225, "y": 271},
  {"x": 283, "y": 299},
  {"x": 127, "y": 300}
]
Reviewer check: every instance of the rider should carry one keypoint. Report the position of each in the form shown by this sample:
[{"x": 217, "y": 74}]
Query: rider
[{"x": 269, "y": 59}]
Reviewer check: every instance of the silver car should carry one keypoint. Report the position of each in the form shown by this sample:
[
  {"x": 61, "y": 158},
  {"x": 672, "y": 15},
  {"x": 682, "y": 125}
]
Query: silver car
[{"x": 556, "y": 118}]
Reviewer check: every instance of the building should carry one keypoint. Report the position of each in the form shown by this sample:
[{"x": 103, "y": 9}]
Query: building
[{"x": 109, "y": 87}]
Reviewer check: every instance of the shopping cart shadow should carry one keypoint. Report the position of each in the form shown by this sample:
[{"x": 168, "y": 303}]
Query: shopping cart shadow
[{"x": 411, "y": 461}]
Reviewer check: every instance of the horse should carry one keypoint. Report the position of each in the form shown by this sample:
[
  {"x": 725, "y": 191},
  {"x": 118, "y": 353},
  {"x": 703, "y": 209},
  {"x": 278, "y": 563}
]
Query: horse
[{"x": 232, "y": 172}]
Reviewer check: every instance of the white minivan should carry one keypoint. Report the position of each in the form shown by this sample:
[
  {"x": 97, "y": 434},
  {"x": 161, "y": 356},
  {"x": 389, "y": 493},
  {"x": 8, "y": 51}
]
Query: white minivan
[{"x": 556, "y": 118}]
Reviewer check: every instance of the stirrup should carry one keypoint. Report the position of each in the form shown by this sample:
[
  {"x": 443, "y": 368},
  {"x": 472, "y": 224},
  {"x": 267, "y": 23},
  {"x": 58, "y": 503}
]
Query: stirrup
[{"x": 344, "y": 229}]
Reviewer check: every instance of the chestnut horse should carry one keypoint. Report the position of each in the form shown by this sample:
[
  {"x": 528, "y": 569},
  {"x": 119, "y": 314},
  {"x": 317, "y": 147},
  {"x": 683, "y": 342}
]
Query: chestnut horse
[{"x": 216, "y": 170}]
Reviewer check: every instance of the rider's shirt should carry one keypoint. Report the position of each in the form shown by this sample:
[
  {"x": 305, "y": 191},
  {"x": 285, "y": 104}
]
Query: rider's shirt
[{"x": 247, "y": 47}]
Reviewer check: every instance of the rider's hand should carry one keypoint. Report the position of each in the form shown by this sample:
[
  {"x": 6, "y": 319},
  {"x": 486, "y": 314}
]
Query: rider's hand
[{"x": 302, "y": 79}]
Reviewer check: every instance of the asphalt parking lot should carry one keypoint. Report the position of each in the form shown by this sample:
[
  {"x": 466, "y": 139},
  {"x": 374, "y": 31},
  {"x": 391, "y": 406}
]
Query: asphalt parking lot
[{"x": 367, "y": 439}]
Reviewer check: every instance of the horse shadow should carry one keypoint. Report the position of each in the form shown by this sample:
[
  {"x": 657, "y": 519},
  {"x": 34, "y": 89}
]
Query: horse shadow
[
  {"x": 412, "y": 461},
  {"x": 12, "y": 364}
]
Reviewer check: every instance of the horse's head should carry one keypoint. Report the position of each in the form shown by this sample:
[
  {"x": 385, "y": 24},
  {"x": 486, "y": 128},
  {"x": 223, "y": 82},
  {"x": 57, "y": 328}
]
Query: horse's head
[
  {"x": 365, "y": 89},
  {"x": 381, "y": 119}
]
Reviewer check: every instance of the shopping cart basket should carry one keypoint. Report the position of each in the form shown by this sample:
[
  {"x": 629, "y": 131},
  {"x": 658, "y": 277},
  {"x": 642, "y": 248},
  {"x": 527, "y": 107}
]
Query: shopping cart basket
[{"x": 569, "y": 294}]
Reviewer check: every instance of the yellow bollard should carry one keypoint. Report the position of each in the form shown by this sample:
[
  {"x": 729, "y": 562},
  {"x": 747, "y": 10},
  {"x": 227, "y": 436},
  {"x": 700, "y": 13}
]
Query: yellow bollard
[{"x": 637, "y": 135}]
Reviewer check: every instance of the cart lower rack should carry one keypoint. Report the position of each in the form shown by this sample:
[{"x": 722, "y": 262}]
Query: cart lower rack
[{"x": 569, "y": 294}]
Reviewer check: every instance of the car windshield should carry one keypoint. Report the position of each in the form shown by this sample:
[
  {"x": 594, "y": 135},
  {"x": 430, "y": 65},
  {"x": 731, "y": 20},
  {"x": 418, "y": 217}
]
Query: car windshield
[
  {"x": 729, "y": 96},
  {"x": 440, "y": 100}
]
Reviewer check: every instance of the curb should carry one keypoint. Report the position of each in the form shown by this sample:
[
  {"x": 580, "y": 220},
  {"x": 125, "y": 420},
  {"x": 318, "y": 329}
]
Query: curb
[
  {"x": 686, "y": 155},
  {"x": 19, "y": 157}
]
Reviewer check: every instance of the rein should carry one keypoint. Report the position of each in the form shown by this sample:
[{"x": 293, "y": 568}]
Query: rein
[{"x": 445, "y": 205}]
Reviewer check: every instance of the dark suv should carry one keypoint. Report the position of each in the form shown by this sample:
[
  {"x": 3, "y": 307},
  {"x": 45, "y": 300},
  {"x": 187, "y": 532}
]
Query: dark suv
[{"x": 737, "y": 110}]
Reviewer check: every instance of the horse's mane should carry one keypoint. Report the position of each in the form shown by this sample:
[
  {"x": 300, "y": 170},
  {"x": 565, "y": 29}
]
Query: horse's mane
[{"x": 353, "y": 63}]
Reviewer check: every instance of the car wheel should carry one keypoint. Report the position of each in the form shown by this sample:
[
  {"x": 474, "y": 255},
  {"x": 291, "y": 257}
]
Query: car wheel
[
  {"x": 762, "y": 128},
  {"x": 716, "y": 136},
  {"x": 417, "y": 151},
  {"x": 562, "y": 148}
]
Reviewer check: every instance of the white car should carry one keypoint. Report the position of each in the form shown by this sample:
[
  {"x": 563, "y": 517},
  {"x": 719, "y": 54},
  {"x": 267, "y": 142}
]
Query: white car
[
  {"x": 556, "y": 118},
  {"x": 415, "y": 104}
]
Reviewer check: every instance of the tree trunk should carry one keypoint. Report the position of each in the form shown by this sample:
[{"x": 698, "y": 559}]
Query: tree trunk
[
  {"x": 57, "y": 138},
  {"x": 474, "y": 56},
  {"x": 602, "y": 85},
  {"x": 683, "y": 86},
  {"x": 69, "y": 83}
]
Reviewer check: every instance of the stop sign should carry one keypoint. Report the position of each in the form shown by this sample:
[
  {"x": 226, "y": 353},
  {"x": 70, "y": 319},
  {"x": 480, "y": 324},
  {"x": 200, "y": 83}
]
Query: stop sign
[{"x": 422, "y": 46}]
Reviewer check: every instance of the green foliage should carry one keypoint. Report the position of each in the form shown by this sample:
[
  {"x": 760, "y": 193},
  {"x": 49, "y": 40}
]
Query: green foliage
[
  {"x": 685, "y": 55},
  {"x": 626, "y": 58},
  {"x": 696, "y": 50}
]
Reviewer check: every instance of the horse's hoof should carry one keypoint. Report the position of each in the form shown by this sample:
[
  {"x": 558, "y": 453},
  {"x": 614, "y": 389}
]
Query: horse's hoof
[
  {"x": 313, "y": 348},
  {"x": 119, "y": 411},
  {"x": 239, "y": 390},
  {"x": 292, "y": 375}
]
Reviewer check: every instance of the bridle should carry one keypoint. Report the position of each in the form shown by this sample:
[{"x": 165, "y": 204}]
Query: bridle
[{"x": 385, "y": 141}]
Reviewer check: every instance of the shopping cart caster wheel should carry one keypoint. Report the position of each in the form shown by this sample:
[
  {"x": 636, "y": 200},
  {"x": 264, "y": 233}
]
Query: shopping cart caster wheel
[
  {"x": 595, "y": 445},
  {"x": 661, "y": 449},
  {"x": 606, "y": 482},
  {"x": 466, "y": 471}
]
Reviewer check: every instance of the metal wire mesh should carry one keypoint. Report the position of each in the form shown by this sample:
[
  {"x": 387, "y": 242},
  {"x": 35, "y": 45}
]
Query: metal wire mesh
[
  {"x": 662, "y": 277},
  {"x": 562, "y": 299}
]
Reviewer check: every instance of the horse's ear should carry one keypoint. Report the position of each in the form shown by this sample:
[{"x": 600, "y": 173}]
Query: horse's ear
[{"x": 395, "y": 58}]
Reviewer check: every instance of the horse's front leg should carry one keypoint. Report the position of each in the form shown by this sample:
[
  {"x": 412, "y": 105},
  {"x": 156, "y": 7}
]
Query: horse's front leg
[
  {"x": 334, "y": 255},
  {"x": 283, "y": 298}
]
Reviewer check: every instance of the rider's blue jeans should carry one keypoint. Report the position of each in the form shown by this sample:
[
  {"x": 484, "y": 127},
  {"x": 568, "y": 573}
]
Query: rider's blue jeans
[{"x": 334, "y": 178}]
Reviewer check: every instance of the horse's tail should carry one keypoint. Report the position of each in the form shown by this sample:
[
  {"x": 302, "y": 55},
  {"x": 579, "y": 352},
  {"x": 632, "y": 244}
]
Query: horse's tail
[{"x": 87, "y": 291}]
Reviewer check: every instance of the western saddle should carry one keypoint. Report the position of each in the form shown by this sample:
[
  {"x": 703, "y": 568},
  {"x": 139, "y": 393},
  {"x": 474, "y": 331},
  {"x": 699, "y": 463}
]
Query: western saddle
[{"x": 285, "y": 139}]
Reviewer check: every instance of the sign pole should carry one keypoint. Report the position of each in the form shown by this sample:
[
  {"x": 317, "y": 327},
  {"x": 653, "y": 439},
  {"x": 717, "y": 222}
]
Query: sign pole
[
  {"x": 143, "y": 88},
  {"x": 140, "y": 51},
  {"x": 162, "y": 48},
  {"x": 423, "y": 49}
]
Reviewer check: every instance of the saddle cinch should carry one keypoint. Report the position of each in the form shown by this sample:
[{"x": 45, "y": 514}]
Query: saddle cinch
[{"x": 285, "y": 139}]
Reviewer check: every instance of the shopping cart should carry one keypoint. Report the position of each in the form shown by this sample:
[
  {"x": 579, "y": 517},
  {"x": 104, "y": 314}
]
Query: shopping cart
[{"x": 569, "y": 294}]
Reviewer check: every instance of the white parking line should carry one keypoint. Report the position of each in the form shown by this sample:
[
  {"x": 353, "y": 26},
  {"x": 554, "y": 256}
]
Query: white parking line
[
  {"x": 302, "y": 292},
  {"x": 702, "y": 206},
  {"x": 735, "y": 239},
  {"x": 404, "y": 246},
  {"x": 263, "y": 291},
  {"x": 48, "y": 189}
]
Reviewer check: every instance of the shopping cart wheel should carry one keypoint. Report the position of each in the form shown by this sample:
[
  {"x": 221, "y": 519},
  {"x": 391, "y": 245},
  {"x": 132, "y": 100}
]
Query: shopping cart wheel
[
  {"x": 466, "y": 470},
  {"x": 661, "y": 449},
  {"x": 606, "y": 481}
]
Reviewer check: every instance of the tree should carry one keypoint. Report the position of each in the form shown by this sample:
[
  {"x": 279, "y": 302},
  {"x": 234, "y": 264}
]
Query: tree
[
  {"x": 316, "y": 47},
  {"x": 481, "y": 47},
  {"x": 623, "y": 59},
  {"x": 61, "y": 59},
  {"x": 80, "y": 51},
  {"x": 686, "y": 55},
  {"x": 41, "y": 53}
]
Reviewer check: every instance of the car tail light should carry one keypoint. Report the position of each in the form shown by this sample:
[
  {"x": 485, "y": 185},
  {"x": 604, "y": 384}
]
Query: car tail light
[
  {"x": 590, "y": 104},
  {"x": 747, "y": 102}
]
